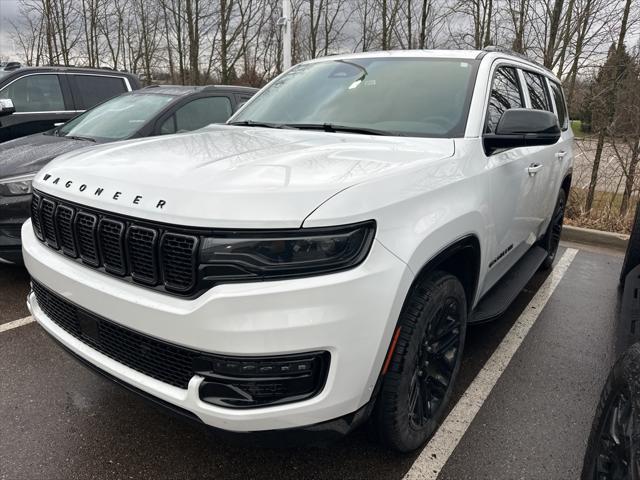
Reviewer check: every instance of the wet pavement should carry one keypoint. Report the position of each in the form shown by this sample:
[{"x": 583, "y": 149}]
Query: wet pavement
[{"x": 60, "y": 421}]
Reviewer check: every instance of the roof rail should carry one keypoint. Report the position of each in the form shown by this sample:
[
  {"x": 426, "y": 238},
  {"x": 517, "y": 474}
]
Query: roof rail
[{"x": 508, "y": 51}]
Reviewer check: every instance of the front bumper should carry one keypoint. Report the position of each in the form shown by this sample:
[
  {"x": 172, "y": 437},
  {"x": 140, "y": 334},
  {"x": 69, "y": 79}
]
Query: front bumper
[
  {"x": 14, "y": 211},
  {"x": 350, "y": 314}
]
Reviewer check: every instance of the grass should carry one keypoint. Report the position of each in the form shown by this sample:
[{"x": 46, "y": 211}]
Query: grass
[
  {"x": 576, "y": 126},
  {"x": 605, "y": 213}
]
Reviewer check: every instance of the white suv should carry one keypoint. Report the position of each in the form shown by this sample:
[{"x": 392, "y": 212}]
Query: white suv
[{"x": 316, "y": 261}]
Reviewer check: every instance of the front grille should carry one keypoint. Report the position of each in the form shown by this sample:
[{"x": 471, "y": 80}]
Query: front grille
[
  {"x": 143, "y": 252},
  {"x": 35, "y": 216},
  {"x": 111, "y": 234},
  {"x": 47, "y": 211},
  {"x": 232, "y": 382},
  {"x": 64, "y": 221}
]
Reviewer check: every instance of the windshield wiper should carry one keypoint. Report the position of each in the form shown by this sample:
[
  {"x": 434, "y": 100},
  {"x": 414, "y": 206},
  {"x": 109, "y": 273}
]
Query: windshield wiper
[
  {"x": 251, "y": 123},
  {"x": 332, "y": 127},
  {"x": 78, "y": 137}
]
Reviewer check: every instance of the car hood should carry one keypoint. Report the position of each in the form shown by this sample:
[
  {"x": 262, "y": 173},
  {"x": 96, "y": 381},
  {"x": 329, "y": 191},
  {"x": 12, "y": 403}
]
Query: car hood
[
  {"x": 29, "y": 154},
  {"x": 230, "y": 177}
]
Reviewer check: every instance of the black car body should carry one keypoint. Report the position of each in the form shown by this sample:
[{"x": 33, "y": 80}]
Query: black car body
[
  {"x": 142, "y": 113},
  {"x": 44, "y": 97}
]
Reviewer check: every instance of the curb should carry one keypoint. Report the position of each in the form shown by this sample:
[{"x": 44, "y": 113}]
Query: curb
[{"x": 595, "y": 237}]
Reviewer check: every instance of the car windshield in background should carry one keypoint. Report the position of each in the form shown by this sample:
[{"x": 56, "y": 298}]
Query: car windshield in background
[
  {"x": 116, "y": 119},
  {"x": 426, "y": 97}
]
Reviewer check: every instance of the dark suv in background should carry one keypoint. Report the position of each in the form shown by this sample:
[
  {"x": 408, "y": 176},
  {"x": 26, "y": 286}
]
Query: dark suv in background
[
  {"x": 44, "y": 97},
  {"x": 156, "y": 110}
]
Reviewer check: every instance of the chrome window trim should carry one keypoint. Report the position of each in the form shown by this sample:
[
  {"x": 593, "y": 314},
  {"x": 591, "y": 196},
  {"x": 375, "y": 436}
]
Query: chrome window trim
[
  {"x": 48, "y": 111},
  {"x": 126, "y": 82}
]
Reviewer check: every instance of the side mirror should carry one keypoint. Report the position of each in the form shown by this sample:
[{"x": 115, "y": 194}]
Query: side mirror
[
  {"x": 521, "y": 127},
  {"x": 6, "y": 107}
]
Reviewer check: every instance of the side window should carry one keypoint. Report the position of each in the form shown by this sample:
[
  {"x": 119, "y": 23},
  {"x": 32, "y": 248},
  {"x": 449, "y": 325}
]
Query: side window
[
  {"x": 561, "y": 106},
  {"x": 537, "y": 91},
  {"x": 35, "y": 93},
  {"x": 505, "y": 94},
  {"x": 197, "y": 114},
  {"x": 95, "y": 89},
  {"x": 242, "y": 99},
  {"x": 168, "y": 126}
]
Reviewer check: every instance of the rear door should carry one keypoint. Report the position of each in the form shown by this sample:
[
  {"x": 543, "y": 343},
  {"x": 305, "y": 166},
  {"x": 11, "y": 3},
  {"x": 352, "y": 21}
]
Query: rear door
[
  {"x": 563, "y": 150},
  {"x": 41, "y": 101}
]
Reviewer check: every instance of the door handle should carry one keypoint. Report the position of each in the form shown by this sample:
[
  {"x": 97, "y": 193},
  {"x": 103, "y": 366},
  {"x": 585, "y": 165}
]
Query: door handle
[
  {"x": 534, "y": 168},
  {"x": 561, "y": 154}
]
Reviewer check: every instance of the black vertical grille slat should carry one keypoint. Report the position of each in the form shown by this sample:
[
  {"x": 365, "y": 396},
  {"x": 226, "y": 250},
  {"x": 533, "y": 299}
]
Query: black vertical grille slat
[
  {"x": 142, "y": 244},
  {"x": 64, "y": 221},
  {"x": 86, "y": 233},
  {"x": 47, "y": 212},
  {"x": 35, "y": 216},
  {"x": 143, "y": 252},
  {"x": 178, "y": 256},
  {"x": 111, "y": 236}
]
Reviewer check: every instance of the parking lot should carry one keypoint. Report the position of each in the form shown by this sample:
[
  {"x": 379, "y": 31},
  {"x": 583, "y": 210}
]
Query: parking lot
[{"x": 58, "y": 420}]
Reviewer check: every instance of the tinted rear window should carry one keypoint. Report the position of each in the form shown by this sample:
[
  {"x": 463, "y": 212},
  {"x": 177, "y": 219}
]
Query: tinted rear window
[{"x": 94, "y": 89}]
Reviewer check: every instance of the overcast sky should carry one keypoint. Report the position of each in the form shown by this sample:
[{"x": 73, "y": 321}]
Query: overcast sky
[{"x": 8, "y": 12}]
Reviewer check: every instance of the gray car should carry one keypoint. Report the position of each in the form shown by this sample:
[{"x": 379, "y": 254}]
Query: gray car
[{"x": 156, "y": 110}]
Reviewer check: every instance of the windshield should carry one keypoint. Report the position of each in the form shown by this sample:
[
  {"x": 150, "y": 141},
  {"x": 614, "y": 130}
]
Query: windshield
[
  {"x": 395, "y": 96},
  {"x": 116, "y": 119}
]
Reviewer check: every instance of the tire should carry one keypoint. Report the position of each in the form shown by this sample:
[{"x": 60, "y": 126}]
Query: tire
[
  {"x": 632, "y": 255},
  {"x": 613, "y": 449},
  {"x": 434, "y": 314},
  {"x": 551, "y": 238}
]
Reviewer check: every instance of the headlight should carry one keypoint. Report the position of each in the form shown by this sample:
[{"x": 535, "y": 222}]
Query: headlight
[
  {"x": 16, "y": 185},
  {"x": 285, "y": 253}
]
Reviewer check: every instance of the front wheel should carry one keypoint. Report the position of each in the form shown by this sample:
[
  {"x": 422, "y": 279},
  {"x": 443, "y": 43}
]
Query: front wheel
[
  {"x": 424, "y": 365},
  {"x": 551, "y": 239}
]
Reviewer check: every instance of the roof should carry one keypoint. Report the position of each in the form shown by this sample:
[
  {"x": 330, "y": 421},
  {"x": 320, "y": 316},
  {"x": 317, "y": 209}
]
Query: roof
[
  {"x": 464, "y": 54},
  {"x": 180, "y": 90}
]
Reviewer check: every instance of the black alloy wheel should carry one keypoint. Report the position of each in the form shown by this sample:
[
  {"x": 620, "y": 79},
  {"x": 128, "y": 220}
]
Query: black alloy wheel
[
  {"x": 616, "y": 443},
  {"x": 423, "y": 367},
  {"x": 613, "y": 449},
  {"x": 435, "y": 363}
]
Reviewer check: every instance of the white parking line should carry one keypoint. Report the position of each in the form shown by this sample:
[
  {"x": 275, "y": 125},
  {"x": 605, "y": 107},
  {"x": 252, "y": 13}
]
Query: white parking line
[
  {"x": 436, "y": 453},
  {"x": 15, "y": 324}
]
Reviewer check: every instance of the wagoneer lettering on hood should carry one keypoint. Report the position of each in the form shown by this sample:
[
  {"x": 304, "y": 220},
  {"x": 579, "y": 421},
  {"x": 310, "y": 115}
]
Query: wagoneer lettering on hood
[{"x": 230, "y": 176}]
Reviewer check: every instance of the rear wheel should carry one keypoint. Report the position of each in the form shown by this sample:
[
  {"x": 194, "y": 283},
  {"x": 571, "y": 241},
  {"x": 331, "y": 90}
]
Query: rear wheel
[
  {"x": 418, "y": 384},
  {"x": 551, "y": 239}
]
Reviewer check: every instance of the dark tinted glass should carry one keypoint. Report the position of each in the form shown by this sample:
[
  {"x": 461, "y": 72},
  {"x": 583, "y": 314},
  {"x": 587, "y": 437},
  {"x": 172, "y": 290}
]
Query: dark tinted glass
[
  {"x": 399, "y": 96},
  {"x": 563, "y": 118},
  {"x": 537, "y": 91},
  {"x": 505, "y": 94},
  {"x": 35, "y": 93},
  {"x": 94, "y": 89},
  {"x": 197, "y": 114}
]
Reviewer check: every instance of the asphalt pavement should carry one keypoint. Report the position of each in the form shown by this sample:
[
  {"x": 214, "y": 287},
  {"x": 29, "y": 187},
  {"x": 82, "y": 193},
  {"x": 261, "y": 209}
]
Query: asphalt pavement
[{"x": 60, "y": 421}]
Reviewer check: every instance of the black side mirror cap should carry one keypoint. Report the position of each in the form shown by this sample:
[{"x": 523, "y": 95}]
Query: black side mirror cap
[{"x": 522, "y": 127}]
